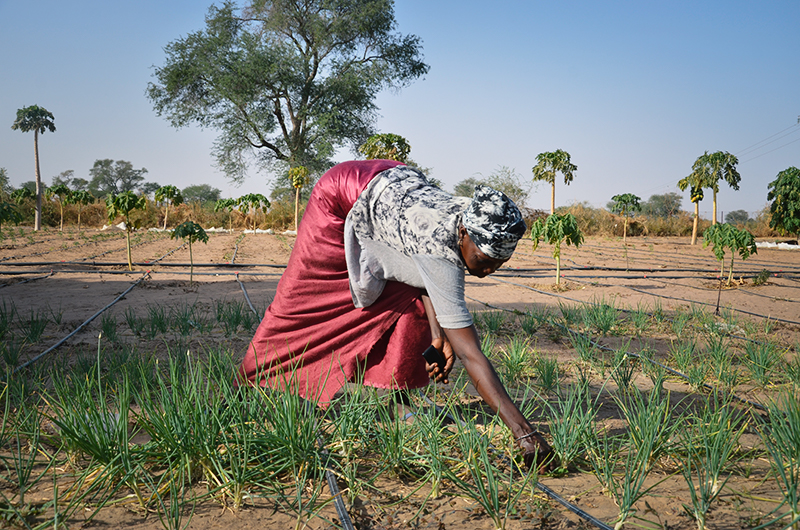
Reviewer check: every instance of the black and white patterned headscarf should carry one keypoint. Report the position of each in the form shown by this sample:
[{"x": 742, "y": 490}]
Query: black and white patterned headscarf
[{"x": 493, "y": 222}]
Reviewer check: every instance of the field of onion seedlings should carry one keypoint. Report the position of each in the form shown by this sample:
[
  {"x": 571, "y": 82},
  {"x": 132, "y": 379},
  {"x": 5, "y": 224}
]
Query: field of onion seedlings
[{"x": 670, "y": 402}]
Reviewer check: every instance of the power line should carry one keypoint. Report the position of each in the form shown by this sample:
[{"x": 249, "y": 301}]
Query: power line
[
  {"x": 768, "y": 152},
  {"x": 744, "y": 151},
  {"x": 764, "y": 143}
]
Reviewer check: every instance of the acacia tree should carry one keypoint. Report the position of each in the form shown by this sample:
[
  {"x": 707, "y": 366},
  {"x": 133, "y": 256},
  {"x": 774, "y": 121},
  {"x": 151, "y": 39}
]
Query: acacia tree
[
  {"x": 548, "y": 164},
  {"x": 556, "y": 230},
  {"x": 285, "y": 81},
  {"x": 386, "y": 146},
  {"x": 784, "y": 192},
  {"x": 63, "y": 193},
  {"x": 80, "y": 198},
  {"x": 123, "y": 204},
  {"x": 299, "y": 178},
  {"x": 38, "y": 120},
  {"x": 168, "y": 195},
  {"x": 111, "y": 178}
]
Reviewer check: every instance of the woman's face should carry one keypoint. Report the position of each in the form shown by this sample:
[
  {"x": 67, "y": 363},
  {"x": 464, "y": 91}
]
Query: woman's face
[{"x": 478, "y": 264}]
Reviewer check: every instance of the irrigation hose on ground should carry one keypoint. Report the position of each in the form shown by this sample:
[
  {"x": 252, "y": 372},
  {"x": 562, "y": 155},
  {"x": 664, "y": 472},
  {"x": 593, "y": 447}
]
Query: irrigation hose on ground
[
  {"x": 341, "y": 509},
  {"x": 62, "y": 341},
  {"x": 26, "y": 280}
]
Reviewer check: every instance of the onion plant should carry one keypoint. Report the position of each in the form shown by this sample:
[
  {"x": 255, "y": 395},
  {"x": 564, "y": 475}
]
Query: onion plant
[
  {"x": 640, "y": 318},
  {"x": 679, "y": 323},
  {"x": 547, "y": 374},
  {"x": 601, "y": 316},
  {"x": 534, "y": 319},
  {"x": 494, "y": 490},
  {"x": 22, "y": 432},
  {"x": 108, "y": 325},
  {"x": 515, "y": 359},
  {"x": 571, "y": 420},
  {"x": 587, "y": 350},
  {"x": 624, "y": 367},
  {"x": 179, "y": 414},
  {"x": 158, "y": 322},
  {"x": 135, "y": 323},
  {"x": 8, "y": 312},
  {"x": 297, "y": 462},
  {"x": 34, "y": 327},
  {"x": 351, "y": 421},
  {"x": 626, "y": 486},
  {"x": 651, "y": 428},
  {"x": 572, "y": 315},
  {"x": 493, "y": 320},
  {"x": 89, "y": 426},
  {"x": 781, "y": 435},
  {"x": 430, "y": 445},
  {"x": 707, "y": 448},
  {"x": 11, "y": 352},
  {"x": 230, "y": 315},
  {"x": 762, "y": 359}
]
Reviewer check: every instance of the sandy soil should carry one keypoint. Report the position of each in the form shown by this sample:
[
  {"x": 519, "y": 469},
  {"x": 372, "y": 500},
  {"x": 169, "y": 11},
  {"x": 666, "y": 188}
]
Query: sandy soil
[{"x": 78, "y": 275}]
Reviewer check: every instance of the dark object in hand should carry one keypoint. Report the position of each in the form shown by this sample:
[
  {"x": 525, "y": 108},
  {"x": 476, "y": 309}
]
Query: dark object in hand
[{"x": 434, "y": 356}]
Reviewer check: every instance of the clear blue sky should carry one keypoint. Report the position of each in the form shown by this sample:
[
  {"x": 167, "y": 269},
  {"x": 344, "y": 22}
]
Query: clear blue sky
[{"x": 634, "y": 91}]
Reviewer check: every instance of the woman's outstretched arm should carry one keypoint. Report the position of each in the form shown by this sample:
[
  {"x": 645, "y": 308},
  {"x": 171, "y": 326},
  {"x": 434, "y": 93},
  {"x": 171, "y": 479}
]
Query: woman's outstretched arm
[{"x": 466, "y": 345}]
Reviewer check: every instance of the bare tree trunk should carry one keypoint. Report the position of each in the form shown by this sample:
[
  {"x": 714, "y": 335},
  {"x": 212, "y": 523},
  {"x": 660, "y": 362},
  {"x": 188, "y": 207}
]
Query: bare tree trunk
[
  {"x": 296, "y": 207},
  {"x": 166, "y": 213},
  {"x": 37, "y": 222},
  {"x": 714, "y": 221},
  {"x": 553, "y": 199},
  {"x": 694, "y": 226}
]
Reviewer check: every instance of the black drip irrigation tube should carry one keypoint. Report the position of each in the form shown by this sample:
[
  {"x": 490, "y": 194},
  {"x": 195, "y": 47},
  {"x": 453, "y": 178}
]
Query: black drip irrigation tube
[
  {"x": 236, "y": 247},
  {"x": 547, "y": 491},
  {"x": 30, "y": 279},
  {"x": 341, "y": 509},
  {"x": 62, "y": 341}
]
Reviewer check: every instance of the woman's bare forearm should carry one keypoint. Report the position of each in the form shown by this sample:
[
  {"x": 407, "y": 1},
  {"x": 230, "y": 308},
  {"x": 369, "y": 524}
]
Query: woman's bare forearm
[{"x": 466, "y": 346}]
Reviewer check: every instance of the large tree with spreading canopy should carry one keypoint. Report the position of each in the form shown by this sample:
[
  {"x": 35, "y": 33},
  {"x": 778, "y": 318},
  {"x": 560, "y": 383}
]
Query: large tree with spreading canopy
[
  {"x": 285, "y": 81},
  {"x": 39, "y": 120}
]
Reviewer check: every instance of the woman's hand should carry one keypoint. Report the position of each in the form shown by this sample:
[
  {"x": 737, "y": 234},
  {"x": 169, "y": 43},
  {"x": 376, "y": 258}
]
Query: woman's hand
[
  {"x": 434, "y": 371},
  {"x": 537, "y": 452}
]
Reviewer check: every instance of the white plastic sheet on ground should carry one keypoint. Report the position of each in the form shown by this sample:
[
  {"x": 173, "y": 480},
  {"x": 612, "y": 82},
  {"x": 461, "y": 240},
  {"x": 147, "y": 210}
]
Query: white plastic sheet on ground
[{"x": 780, "y": 246}]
